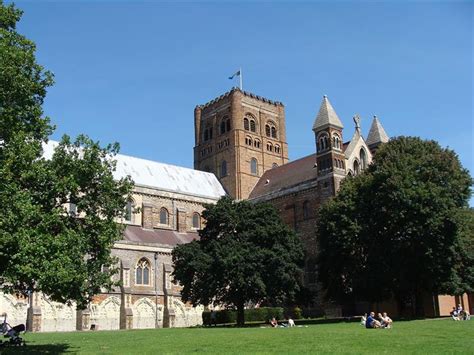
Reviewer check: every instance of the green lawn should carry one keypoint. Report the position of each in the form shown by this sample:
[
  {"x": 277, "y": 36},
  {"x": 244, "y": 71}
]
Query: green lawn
[{"x": 421, "y": 336}]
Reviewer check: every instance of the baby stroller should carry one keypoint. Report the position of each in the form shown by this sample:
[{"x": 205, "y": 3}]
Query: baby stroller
[{"x": 13, "y": 333}]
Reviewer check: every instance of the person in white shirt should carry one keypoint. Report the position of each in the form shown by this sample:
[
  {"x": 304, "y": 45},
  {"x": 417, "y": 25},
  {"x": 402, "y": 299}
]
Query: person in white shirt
[{"x": 387, "y": 321}]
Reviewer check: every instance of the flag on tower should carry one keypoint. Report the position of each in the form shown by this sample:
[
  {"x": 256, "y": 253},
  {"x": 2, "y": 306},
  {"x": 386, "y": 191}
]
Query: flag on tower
[{"x": 234, "y": 75}]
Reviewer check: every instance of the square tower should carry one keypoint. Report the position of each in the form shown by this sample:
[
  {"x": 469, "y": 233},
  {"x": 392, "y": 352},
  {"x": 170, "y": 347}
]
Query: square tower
[{"x": 238, "y": 136}]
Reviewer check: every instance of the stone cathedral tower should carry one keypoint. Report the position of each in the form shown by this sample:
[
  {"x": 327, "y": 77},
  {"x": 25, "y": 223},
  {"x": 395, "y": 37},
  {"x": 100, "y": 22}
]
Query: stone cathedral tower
[
  {"x": 330, "y": 156},
  {"x": 239, "y": 136}
]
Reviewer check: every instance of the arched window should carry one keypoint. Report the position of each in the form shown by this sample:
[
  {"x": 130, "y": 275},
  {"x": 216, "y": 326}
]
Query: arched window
[
  {"x": 277, "y": 148},
  {"x": 306, "y": 209},
  {"x": 252, "y": 126},
  {"x": 256, "y": 143},
  {"x": 254, "y": 166},
  {"x": 164, "y": 216},
  {"x": 227, "y": 124},
  {"x": 356, "y": 167},
  {"x": 336, "y": 141},
  {"x": 128, "y": 211},
  {"x": 210, "y": 133},
  {"x": 363, "y": 159},
  {"x": 206, "y": 135},
  {"x": 222, "y": 127},
  {"x": 274, "y": 132},
  {"x": 246, "y": 124},
  {"x": 323, "y": 142},
  {"x": 223, "y": 168},
  {"x": 142, "y": 272},
  {"x": 196, "y": 221},
  {"x": 270, "y": 147},
  {"x": 267, "y": 130},
  {"x": 248, "y": 140},
  {"x": 274, "y": 165}
]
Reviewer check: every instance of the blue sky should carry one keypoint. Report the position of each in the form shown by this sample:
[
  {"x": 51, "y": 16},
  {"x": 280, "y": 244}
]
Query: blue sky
[{"x": 133, "y": 72}]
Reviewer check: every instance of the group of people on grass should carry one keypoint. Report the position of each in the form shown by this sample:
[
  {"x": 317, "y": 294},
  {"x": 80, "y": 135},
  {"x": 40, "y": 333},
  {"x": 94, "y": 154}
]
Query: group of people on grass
[
  {"x": 460, "y": 314},
  {"x": 274, "y": 323},
  {"x": 381, "y": 321}
]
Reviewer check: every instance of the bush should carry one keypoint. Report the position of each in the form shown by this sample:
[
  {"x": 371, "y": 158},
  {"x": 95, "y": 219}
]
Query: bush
[
  {"x": 227, "y": 316},
  {"x": 297, "y": 313}
]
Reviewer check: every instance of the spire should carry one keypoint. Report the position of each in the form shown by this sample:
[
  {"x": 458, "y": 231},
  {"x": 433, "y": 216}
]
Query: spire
[
  {"x": 377, "y": 134},
  {"x": 326, "y": 116}
]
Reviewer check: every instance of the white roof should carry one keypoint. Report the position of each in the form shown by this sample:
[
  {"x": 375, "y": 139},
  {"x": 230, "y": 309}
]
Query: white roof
[{"x": 161, "y": 176}]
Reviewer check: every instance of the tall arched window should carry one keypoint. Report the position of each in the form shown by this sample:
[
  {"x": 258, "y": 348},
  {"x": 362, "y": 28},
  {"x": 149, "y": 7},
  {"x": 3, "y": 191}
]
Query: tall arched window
[
  {"x": 252, "y": 126},
  {"x": 356, "y": 167},
  {"x": 223, "y": 168},
  {"x": 246, "y": 124},
  {"x": 248, "y": 140},
  {"x": 142, "y": 272},
  {"x": 254, "y": 166},
  {"x": 227, "y": 125},
  {"x": 222, "y": 131},
  {"x": 256, "y": 143},
  {"x": 336, "y": 141},
  {"x": 267, "y": 130},
  {"x": 196, "y": 221},
  {"x": 270, "y": 147},
  {"x": 277, "y": 148},
  {"x": 164, "y": 216},
  {"x": 363, "y": 159},
  {"x": 128, "y": 211}
]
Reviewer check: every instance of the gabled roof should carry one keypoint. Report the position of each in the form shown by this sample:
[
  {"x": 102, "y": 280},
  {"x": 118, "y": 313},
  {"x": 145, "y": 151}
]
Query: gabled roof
[
  {"x": 161, "y": 176},
  {"x": 326, "y": 116},
  {"x": 164, "y": 237},
  {"x": 377, "y": 133},
  {"x": 286, "y": 176}
]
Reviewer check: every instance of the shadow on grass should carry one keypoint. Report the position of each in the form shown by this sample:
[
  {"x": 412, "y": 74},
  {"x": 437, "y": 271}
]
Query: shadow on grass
[{"x": 37, "y": 349}]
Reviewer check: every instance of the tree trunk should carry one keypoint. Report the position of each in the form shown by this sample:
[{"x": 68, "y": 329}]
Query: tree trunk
[{"x": 240, "y": 315}]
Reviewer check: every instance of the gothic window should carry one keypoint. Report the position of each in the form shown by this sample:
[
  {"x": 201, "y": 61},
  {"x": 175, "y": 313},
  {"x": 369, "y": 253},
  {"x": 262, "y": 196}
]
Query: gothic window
[
  {"x": 164, "y": 216},
  {"x": 336, "y": 141},
  {"x": 142, "y": 272},
  {"x": 223, "y": 168},
  {"x": 323, "y": 142},
  {"x": 129, "y": 211},
  {"x": 248, "y": 140},
  {"x": 363, "y": 159},
  {"x": 277, "y": 149},
  {"x": 274, "y": 132},
  {"x": 253, "y": 166},
  {"x": 256, "y": 143},
  {"x": 306, "y": 209},
  {"x": 356, "y": 167},
  {"x": 267, "y": 130},
  {"x": 246, "y": 124},
  {"x": 222, "y": 127},
  {"x": 270, "y": 147},
  {"x": 252, "y": 126},
  {"x": 196, "y": 221},
  {"x": 227, "y": 125}
]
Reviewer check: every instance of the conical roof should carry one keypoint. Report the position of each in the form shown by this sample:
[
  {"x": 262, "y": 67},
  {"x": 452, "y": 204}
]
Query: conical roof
[
  {"x": 326, "y": 116},
  {"x": 376, "y": 134}
]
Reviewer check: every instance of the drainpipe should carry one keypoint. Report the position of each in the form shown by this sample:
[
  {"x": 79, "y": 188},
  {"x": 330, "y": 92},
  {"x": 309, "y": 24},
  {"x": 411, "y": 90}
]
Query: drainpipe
[{"x": 156, "y": 292}]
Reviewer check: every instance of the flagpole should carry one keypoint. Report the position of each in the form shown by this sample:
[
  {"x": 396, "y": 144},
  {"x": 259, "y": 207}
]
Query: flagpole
[{"x": 240, "y": 76}]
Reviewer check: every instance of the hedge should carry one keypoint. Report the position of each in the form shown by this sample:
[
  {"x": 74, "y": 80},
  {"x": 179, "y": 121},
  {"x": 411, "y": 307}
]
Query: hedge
[{"x": 226, "y": 316}]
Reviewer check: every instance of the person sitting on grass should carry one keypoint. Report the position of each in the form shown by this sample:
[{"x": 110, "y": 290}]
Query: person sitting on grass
[
  {"x": 454, "y": 314},
  {"x": 274, "y": 323},
  {"x": 387, "y": 321},
  {"x": 371, "y": 322}
]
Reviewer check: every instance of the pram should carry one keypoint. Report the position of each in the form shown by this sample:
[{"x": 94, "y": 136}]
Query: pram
[{"x": 13, "y": 333}]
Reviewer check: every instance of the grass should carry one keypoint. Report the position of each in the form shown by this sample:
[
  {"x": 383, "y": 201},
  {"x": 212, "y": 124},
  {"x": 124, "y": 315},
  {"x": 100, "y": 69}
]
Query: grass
[{"x": 438, "y": 336}]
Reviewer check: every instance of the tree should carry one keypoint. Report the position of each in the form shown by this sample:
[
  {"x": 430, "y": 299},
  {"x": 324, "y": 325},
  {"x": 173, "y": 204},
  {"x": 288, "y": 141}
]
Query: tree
[
  {"x": 42, "y": 246},
  {"x": 399, "y": 229},
  {"x": 245, "y": 254}
]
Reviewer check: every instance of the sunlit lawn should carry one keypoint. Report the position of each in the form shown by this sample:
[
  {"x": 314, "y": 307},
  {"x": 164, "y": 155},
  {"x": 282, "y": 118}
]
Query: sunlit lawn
[{"x": 439, "y": 336}]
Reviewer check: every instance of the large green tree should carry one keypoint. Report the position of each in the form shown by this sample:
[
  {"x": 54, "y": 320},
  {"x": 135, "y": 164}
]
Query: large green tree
[
  {"x": 400, "y": 229},
  {"x": 42, "y": 246},
  {"x": 245, "y": 254}
]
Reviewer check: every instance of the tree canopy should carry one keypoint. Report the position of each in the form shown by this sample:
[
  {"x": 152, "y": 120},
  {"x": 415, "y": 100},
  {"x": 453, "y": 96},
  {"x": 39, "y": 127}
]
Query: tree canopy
[
  {"x": 245, "y": 254},
  {"x": 400, "y": 228},
  {"x": 44, "y": 247}
]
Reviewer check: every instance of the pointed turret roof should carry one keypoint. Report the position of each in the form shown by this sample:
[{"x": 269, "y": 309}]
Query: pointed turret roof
[
  {"x": 326, "y": 116},
  {"x": 376, "y": 134}
]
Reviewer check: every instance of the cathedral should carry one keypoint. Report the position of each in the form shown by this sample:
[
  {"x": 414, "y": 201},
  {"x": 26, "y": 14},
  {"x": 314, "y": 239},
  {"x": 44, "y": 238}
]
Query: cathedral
[{"x": 241, "y": 151}]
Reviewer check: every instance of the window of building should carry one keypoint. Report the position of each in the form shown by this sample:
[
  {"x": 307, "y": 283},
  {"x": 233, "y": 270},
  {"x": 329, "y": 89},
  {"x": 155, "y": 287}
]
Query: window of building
[
  {"x": 270, "y": 147},
  {"x": 306, "y": 209},
  {"x": 252, "y": 126},
  {"x": 142, "y": 273},
  {"x": 246, "y": 124},
  {"x": 256, "y": 143},
  {"x": 223, "y": 168},
  {"x": 164, "y": 216},
  {"x": 274, "y": 165},
  {"x": 196, "y": 221},
  {"x": 210, "y": 133},
  {"x": 274, "y": 132},
  {"x": 336, "y": 141},
  {"x": 277, "y": 149},
  {"x": 267, "y": 130},
  {"x": 129, "y": 211},
  {"x": 356, "y": 167},
  {"x": 248, "y": 140},
  {"x": 222, "y": 127},
  {"x": 322, "y": 142},
  {"x": 227, "y": 125},
  {"x": 206, "y": 135},
  {"x": 254, "y": 166},
  {"x": 363, "y": 158}
]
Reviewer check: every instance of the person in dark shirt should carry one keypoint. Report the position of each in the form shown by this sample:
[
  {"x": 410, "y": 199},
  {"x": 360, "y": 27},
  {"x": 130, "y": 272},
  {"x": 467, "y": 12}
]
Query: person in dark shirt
[{"x": 371, "y": 322}]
